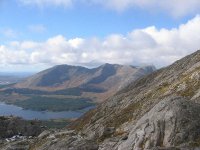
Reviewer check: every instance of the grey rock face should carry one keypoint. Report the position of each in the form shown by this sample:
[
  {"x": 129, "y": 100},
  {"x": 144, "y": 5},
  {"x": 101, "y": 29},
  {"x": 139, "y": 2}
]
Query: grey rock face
[
  {"x": 62, "y": 140},
  {"x": 172, "y": 122},
  {"x": 10, "y": 126},
  {"x": 17, "y": 145}
]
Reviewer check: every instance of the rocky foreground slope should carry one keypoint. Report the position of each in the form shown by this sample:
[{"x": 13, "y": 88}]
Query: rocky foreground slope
[
  {"x": 160, "y": 111},
  {"x": 13, "y": 126}
]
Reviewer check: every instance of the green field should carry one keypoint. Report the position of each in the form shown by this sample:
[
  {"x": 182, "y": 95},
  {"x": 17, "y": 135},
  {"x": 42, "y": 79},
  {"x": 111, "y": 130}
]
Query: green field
[
  {"x": 55, "y": 123},
  {"x": 41, "y": 103},
  {"x": 70, "y": 91}
]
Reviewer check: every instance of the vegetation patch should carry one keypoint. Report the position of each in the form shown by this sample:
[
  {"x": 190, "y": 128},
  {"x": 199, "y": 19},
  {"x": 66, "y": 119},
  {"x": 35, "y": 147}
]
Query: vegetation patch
[
  {"x": 70, "y": 91},
  {"x": 125, "y": 115},
  {"x": 82, "y": 121},
  {"x": 40, "y": 103},
  {"x": 5, "y": 85},
  {"x": 55, "y": 123}
]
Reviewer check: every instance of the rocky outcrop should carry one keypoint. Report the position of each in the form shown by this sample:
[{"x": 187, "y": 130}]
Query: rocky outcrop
[
  {"x": 11, "y": 126},
  {"x": 52, "y": 140},
  {"x": 172, "y": 122}
]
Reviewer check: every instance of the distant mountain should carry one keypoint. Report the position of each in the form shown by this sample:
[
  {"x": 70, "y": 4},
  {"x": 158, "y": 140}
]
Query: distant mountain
[{"x": 98, "y": 83}]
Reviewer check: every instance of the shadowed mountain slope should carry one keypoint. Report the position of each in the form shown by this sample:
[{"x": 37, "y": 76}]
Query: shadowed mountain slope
[{"x": 98, "y": 83}]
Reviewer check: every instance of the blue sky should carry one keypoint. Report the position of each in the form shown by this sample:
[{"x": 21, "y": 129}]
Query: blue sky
[
  {"x": 81, "y": 20},
  {"x": 37, "y": 34}
]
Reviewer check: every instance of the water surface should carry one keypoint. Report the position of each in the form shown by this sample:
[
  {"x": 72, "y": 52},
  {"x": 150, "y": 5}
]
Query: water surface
[{"x": 7, "y": 110}]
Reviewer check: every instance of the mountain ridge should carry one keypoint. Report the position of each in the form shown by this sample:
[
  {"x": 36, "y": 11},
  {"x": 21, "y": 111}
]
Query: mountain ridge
[{"x": 100, "y": 82}]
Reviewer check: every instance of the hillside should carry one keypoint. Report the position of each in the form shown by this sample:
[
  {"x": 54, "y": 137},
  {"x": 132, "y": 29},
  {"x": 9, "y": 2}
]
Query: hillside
[{"x": 160, "y": 111}]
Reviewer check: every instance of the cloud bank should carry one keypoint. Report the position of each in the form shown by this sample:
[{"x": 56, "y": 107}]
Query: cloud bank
[
  {"x": 174, "y": 7},
  {"x": 177, "y": 8},
  {"x": 150, "y": 45},
  {"x": 45, "y": 3},
  {"x": 37, "y": 28}
]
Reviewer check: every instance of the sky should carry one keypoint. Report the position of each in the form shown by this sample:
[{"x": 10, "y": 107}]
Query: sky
[{"x": 38, "y": 34}]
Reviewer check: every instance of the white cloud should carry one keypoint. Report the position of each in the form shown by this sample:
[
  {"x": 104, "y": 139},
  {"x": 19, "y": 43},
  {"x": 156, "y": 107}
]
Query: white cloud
[
  {"x": 45, "y": 3},
  {"x": 177, "y": 8},
  {"x": 37, "y": 28},
  {"x": 9, "y": 56},
  {"x": 141, "y": 46},
  {"x": 174, "y": 7},
  {"x": 9, "y": 33}
]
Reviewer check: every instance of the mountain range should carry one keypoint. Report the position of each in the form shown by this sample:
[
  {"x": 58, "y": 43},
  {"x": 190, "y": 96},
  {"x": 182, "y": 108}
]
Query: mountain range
[
  {"x": 160, "y": 111},
  {"x": 97, "y": 83}
]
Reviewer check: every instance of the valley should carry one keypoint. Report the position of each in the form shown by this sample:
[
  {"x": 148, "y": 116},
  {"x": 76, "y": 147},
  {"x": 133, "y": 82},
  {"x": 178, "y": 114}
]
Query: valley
[
  {"x": 157, "y": 111},
  {"x": 69, "y": 88},
  {"x": 8, "y": 78},
  {"x": 99, "y": 75}
]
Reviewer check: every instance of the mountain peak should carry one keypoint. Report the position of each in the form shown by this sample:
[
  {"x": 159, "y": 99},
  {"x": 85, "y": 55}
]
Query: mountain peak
[{"x": 109, "y": 65}]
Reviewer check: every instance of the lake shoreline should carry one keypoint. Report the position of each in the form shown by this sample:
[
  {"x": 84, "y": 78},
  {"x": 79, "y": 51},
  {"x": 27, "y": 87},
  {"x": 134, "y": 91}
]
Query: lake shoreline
[{"x": 27, "y": 114}]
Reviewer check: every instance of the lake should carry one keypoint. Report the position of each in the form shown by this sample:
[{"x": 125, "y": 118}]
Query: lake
[{"x": 7, "y": 110}]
